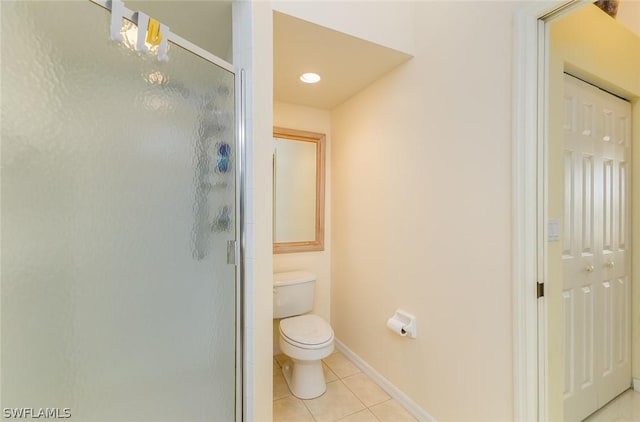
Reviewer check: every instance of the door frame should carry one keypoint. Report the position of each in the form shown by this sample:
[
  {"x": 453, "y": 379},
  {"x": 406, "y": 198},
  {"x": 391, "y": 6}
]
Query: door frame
[
  {"x": 237, "y": 248},
  {"x": 529, "y": 313},
  {"x": 529, "y": 189}
]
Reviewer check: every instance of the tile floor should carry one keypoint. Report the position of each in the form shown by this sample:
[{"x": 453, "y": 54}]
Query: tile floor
[
  {"x": 351, "y": 396},
  {"x": 624, "y": 408}
]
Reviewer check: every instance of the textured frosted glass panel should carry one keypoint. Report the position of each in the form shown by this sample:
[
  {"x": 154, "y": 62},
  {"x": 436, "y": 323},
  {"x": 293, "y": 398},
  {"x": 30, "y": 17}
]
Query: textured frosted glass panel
[{"x": 118, "y": 198}]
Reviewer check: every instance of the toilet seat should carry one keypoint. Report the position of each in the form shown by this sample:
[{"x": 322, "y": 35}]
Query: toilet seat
[{"x": 306, "y": 331}]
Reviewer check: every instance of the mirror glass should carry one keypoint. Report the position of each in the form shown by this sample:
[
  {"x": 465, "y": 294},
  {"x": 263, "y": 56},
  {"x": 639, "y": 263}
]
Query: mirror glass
[{"x": 298, "y": 191}]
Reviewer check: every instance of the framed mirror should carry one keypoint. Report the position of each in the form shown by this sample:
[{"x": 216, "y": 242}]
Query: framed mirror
[{"x": 298, "y": 190}]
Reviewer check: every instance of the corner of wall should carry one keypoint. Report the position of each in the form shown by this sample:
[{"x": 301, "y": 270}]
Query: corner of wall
[
  {"x": 253, "y": 52},
  {"x": 389, "y": 24},
  {"x": 293, "y": 116}
]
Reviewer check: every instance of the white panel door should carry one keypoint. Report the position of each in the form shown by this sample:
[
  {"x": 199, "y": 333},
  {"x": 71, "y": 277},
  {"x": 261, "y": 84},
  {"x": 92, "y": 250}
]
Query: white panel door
[{"x": 596, "y": 292}]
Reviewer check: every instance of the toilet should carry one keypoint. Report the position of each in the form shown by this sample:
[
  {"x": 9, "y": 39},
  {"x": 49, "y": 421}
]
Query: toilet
[{"x": 304, "y": 337}]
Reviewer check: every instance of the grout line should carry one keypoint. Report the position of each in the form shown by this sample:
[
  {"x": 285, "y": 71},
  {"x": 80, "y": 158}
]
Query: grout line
[
  {"x": 374, "y": 415},
  {"x": 353, "y": 375},
  {"x": 358, "y": 370},
  {"x": 403, "y": 400},
  {"x": 340, "y": 379},
  {"x": 351, "y": 414},
  {"x": 309, "y": 410},
  {"x": 328, "y": 369},
  {"x": 383, "y": 401},
  {"x": 356, "y": 396},
  {"x": 282, "y": 398},
  {"x": 304, "y": 402}
]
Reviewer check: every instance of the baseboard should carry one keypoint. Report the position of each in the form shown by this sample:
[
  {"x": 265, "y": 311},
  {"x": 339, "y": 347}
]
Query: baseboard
[
  {"x": 411, "y": 406},
  {"x": 636, "y": 384}
]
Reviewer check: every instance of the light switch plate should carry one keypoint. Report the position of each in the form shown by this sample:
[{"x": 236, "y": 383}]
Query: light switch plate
[{"x": 553, "y": 233}]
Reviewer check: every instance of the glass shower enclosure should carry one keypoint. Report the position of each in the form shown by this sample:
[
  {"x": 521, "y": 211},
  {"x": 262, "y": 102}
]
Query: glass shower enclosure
[{"x": 119, "y": 287}]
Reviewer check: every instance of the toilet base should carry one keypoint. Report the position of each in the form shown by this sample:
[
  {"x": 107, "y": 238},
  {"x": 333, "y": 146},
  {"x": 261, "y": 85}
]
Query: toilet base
[{"x": 305, "y": 378}]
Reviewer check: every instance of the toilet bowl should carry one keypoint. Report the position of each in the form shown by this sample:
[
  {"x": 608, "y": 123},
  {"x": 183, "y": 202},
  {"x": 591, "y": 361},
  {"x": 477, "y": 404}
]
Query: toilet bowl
[{"x": 304, "y": 337}]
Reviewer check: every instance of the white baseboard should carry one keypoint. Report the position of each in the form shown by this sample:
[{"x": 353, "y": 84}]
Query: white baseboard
[
  {"x": 411, "y": 406},
  {"x": 636, "y": 384}
]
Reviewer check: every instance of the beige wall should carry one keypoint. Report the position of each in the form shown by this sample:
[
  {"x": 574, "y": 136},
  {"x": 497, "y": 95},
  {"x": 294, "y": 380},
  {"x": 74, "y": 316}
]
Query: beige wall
[
  {"x": 421, "y": 211},
  {"x": 629, "y": 14},
  {"x": 292, "y": 116},
  {"x": 388, "y": 23},
  {"x": 612, "y": 61},
  {"x": 205, "y": 23}
]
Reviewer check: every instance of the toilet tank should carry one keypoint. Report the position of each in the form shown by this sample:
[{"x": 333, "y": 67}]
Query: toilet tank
[{"x": 292, "y": 293}]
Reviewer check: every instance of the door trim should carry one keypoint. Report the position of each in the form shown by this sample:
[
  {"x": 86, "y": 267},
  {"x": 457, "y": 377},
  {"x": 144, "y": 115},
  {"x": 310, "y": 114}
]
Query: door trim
[
  {"x": 240, "y": 127},
  {"x": 529, "y": 179},
  {"x": 530, "y": 72}
]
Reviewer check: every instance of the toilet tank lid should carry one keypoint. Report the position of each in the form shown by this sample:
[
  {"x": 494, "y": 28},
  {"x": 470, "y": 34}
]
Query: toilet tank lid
[{"x": 292, "y": 277}]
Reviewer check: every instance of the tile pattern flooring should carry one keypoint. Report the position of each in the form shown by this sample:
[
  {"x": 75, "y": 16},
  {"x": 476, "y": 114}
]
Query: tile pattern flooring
[
  {"x": 624, "y": 408},
  {"x": 351, "y": 396}
]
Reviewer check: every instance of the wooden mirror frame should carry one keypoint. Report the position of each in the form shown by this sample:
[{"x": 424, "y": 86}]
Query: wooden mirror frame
[{"x": 316, "y": 244}]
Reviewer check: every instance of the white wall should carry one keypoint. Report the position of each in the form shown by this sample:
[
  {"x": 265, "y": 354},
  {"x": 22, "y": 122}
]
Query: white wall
[
  {"x": 421, "y": 164},
  {"x": 292, "y": 116},
  {"x": 253, "y": 52}
]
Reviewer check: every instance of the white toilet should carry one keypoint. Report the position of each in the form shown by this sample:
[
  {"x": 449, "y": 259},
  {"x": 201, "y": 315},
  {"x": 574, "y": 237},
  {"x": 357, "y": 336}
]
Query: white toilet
[{"x": 306, "y": 339}]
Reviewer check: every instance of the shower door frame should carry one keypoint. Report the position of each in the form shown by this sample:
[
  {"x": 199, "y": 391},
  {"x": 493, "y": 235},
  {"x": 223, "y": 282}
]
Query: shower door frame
[{"x": 239, "y": 243}]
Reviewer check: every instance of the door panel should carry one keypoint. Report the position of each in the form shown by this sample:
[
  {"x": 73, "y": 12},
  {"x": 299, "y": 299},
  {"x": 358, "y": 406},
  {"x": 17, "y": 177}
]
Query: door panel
[
  {"x": 597, "y": 326},
  {"x": 588, "y": 194}
]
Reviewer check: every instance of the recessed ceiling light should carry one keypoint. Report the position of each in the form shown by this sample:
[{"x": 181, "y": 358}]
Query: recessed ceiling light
[{"x": 310, "y": 78}]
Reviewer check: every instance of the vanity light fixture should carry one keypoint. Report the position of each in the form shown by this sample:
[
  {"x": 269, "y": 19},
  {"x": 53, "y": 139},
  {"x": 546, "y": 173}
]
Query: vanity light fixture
[{"x": 310, "y": 78}]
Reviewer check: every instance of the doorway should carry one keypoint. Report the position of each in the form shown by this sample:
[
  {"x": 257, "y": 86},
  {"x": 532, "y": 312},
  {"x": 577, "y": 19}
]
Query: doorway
[
  {"x": 538, "y": 170},
  {"x": 596, "y": 293}
]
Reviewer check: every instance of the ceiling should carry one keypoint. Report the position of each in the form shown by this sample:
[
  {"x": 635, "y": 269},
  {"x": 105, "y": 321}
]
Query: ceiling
[{"x": 347, "y": 64}]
